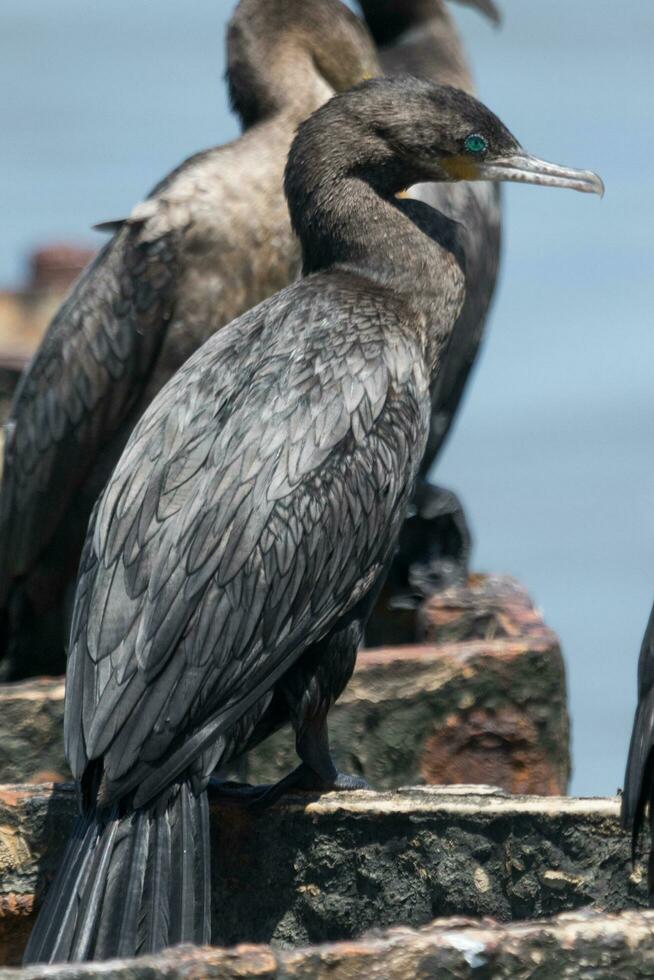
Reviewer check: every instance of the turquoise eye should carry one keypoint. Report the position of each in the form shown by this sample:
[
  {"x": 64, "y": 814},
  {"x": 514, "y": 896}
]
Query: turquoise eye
[{"x": 475, "y": 144}]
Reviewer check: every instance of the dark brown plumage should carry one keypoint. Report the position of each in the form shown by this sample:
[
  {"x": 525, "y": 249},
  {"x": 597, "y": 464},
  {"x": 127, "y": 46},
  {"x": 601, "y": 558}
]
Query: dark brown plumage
[
  {"x": 420, "y": 37},
  {"x": 211, "y": 241},
  {"x": 233, "y": 558}
]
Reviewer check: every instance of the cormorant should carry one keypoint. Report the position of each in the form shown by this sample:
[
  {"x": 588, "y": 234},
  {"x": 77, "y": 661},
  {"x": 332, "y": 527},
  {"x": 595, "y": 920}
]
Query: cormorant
[
  {"x": 211, "y": 241},
  {"x": 638, "y": 793},
  {"x": 234, "y": 555},
  {"x": 420, "y": 37}
]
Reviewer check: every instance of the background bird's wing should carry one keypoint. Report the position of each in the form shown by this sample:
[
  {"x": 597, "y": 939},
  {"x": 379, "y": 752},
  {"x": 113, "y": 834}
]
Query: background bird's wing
[
  {"x": 256, "y": 502},
  {"x": 83, "y": 382}
]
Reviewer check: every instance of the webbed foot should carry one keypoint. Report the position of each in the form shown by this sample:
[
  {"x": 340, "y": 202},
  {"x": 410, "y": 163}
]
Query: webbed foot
[
  {"x": 227, "y": 791},
  {"x": 302, "y": 778},
  {"x": 306, "y": 779}
]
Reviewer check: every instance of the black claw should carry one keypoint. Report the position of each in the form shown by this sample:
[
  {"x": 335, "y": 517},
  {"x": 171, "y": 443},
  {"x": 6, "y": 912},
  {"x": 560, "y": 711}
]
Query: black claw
[
  {"x": 267, "y": 797},
  {"x": 304, "y": 779},
  {"x": 347, "y": 782}
]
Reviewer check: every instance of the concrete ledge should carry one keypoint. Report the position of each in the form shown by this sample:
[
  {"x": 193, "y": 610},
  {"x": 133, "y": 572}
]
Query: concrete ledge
[
  {"x": 484, "y": 700},
  {"x": 323, "y": 869},
  {"x": 619, "y": 947}
]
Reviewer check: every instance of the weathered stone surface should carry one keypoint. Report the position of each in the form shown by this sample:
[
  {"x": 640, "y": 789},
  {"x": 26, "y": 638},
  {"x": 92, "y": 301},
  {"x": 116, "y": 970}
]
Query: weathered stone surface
[
  {"x": 590, "y": 945},
  {"x": 474, "y": 710},
  {"x": 322, "y": 869},
  {"x": 487, "y": 607},
  {"x": 31, "y": 731}
]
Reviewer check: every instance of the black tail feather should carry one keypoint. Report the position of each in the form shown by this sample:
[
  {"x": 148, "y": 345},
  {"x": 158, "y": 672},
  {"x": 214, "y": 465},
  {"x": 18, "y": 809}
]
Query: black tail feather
[
  {"x": 191, "y": 892},
  {"x": 155, "y": 920},
  {"x": 92, "y": 898},
  {"x": 129, "y": 885},
  {"x": 139, "y": 844},
  {"x": 55, "y": 924}
]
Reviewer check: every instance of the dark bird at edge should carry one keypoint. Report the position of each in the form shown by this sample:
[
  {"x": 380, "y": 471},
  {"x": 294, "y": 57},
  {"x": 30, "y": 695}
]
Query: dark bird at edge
[
  {"x": 234, "y": 556},
  {"x": 211, "y": 240},
  {"x": 420, "y": 37},
  {"x": 638, "y": 793}
]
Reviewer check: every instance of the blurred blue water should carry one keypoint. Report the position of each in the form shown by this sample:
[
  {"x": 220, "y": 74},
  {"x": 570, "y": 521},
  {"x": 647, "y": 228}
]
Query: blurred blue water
[{"x": 552, "y": 453}]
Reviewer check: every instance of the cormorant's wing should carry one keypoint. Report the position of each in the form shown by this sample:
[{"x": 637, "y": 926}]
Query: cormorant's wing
[
  {"x": 82, "y": 383},
  {"x": 256, "y": 501},
  {"x": 639, "y": 778}
]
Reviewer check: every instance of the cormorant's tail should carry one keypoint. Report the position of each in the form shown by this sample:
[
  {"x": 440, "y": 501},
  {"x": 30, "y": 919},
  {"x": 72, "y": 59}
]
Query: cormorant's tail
[{"x": 129, "y": 884}]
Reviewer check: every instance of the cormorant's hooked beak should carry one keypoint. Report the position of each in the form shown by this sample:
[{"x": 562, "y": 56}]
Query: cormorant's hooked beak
[
  {"x": 487, "y": 7},
  {"x": 525, "y": 169}
]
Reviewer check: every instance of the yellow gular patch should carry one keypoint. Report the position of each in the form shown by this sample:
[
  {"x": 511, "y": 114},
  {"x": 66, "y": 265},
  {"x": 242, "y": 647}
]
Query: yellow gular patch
[{"x": 460, "y": 168}]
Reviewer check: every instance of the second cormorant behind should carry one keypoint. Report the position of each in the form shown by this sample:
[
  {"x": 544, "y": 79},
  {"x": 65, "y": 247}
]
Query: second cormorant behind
[
  {"x": 211, "y": 240},
  {"x": 420, "y": 37}
]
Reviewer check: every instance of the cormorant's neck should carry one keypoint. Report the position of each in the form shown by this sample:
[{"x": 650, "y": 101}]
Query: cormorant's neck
[
  {"x": 343, "y": 221},
  {"x": 272, "y": 73},
  {"x": 388, "y": 20},
  {"x": 422, "y": 40}
]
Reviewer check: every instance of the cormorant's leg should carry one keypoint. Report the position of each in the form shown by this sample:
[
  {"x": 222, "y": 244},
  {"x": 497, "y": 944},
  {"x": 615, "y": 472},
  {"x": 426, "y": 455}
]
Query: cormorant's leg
[
  {"x": 303, "y": 697},
  {"x": 321, "y": 773},
  {"x": 316, "y": 772},
  {"x": 310, "y": 688},
  {"x": 229, "y": 791}
]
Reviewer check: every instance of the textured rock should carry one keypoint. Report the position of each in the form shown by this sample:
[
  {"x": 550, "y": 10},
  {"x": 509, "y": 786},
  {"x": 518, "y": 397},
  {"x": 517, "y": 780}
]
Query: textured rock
[
  {"x": 472, "y": 709},
  {"x": 31, "y": 731},
  {"x": 324, "y": 869},
  {"x": 488, "y": 607},
  {"x": 605, "y": 947}
]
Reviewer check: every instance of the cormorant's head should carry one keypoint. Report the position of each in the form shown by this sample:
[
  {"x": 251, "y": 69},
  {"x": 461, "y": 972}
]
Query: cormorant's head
[
  {"x": 412, "y": 130},
  {"x": 389, "y": 19},
  {"x": 274, "y": 45}
]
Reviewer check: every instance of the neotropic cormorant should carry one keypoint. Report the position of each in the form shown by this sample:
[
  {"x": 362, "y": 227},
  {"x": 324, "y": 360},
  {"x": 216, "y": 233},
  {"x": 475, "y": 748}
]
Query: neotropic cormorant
[
  {"x": 638, "y": 793},
  {"x": 211, "y": 241},
  {"x": 420, "y": 37},
  {"x": 233, "y": 557}
]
